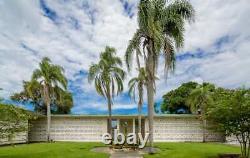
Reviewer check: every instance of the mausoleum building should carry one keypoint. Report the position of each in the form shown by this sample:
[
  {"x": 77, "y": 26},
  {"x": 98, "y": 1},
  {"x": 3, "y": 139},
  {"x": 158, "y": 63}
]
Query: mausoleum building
[{"x": 90, "y": 128}]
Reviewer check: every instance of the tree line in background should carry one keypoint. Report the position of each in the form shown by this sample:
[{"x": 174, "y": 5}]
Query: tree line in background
[
  {"x": 185, "y": 98},
  {"x": 227, "y": 109}
]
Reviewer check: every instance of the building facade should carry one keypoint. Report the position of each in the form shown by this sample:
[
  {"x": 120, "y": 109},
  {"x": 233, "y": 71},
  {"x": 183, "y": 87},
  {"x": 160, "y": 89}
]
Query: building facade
[{"x": 90, "y": 128}]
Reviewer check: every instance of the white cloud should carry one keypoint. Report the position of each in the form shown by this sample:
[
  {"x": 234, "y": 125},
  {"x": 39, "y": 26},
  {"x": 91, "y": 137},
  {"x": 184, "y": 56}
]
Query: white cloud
[{"x": 84, "y": 28}]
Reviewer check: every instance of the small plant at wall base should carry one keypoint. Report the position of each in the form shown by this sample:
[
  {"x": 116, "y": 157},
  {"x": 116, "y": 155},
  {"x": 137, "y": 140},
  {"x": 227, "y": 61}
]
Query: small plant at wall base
[{"x": 231, "y": 113}]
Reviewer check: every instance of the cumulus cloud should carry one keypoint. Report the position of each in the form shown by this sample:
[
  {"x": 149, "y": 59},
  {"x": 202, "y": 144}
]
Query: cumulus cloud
[{"x": 73, "y": 33}]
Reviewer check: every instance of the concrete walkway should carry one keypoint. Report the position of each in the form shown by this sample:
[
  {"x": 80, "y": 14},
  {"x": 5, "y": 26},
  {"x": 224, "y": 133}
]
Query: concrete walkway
[{"x": 122, "y": 153}]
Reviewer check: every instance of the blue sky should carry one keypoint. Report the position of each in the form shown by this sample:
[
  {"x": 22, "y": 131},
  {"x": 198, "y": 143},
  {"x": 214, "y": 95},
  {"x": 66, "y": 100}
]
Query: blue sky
[{"x": 73, "y": 33}]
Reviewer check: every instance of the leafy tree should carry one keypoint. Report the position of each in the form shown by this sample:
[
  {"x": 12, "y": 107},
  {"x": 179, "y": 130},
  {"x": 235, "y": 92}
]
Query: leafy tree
[
  {"x": 176, "y": 99},
  {"x": 137, "y": 84},
  {"x": 13, "y": 120},
  {"x": 108, "y": 78},
  {"x": 32, "y": 94},
  {"x": 61, "y": 100},
  {"x": 161, "y": 30},
  {"x": 231, "y": 113},
  {"x": 50, "y": 77},
  {"x": 199, "y": 100}
]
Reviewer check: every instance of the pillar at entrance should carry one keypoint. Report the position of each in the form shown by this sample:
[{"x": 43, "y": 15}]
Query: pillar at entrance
[{"x": 133, "y": 125}]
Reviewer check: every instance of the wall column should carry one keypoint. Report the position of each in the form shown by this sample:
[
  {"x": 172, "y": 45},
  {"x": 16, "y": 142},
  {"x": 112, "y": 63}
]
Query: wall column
[
  {"x": 133, "y": 125},
  {"x": 118, "y": 125}
]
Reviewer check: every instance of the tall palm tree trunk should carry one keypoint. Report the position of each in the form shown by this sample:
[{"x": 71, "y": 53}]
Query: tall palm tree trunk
[
  {"x": 139, "y": 118},
  {"x": 150, "y": 94},
  {"x": 110, "y": 117},
  {"x": 47, "y": 102},
  {"x": 110, "y": 111},
  {"x": 150, "y": 68}
]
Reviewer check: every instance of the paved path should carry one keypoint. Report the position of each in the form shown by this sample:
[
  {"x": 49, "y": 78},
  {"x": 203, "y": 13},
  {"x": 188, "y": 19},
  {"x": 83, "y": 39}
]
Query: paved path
[{"x": 123, "y": 154}]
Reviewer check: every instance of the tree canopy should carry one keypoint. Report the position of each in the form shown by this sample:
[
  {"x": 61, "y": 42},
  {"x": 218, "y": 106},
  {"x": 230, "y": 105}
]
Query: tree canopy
[
  {"x": 177, "y": 99},
  {"x": 231, "y": 115},
  {"x": 61, "y": 100},
  {"x": 189, "y": 97}
]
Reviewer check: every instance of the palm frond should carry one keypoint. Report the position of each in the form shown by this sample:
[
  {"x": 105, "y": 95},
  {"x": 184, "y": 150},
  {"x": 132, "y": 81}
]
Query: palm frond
[
  {"x": 134, "y": 45},
  {"x": 183, "y": 8},
  {"x": 37, "y": 74},
  {"x": 169, "y": 54},
  {"x": 93, "y": 71}
]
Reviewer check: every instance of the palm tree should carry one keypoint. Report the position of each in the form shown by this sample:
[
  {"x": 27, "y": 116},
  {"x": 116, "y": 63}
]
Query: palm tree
[
  {"x": 199, "y": 100},
  {"x": 137, "y": 84},
  {"x": 108, "y": 78},
  {"x": 161, "y": 30},
  {"x": 49, "y": 76}
]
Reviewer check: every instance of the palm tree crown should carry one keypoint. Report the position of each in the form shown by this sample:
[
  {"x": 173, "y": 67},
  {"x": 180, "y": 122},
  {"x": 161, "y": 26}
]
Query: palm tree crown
[
  {"x": 108, "y": 77},
  {"x": 49, "y": 74},
  {"x": 107, "y": 74},
  {"x": 137, "y": 84},
  {"x": 200, "y": 98},
  {"x": 161, "y": 29}
]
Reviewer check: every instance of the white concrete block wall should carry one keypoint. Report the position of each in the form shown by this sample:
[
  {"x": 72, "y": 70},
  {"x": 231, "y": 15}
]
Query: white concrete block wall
[
  {"x": 232, "y": 140},
  {"x": 182, "y": 129},
  {"x": 82, "y": 129}
]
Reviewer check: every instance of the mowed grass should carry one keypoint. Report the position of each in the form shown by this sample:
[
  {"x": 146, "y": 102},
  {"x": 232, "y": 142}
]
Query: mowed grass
[
  {"x": 192, "y": 150},
  {"x": 52, "y": 150},
  {"x": 82, "y": 150}
]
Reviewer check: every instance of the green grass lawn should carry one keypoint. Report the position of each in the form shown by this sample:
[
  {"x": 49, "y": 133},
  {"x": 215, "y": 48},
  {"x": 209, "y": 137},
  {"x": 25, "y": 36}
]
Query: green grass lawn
[
  {"x": 192, "y": 150},
  {"x": 82, "y": 150},
  {"x": 52, "y": 150}
]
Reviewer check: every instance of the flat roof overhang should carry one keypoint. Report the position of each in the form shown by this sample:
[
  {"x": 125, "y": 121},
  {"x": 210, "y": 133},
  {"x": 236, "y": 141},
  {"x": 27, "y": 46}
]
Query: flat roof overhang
[{"x": 123, "y": 116}]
